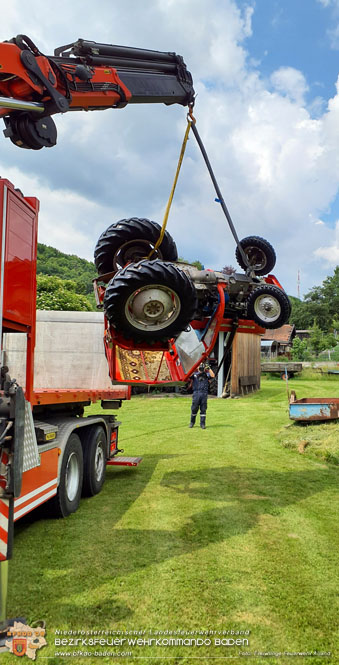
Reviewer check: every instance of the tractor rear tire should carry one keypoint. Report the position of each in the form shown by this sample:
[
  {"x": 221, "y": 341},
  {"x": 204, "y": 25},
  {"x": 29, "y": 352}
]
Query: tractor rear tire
[
  {"x": 129, "y": 241},
  {"x": 150, "y": 301},
  {"x": 269, "y": 307},
  {"x": 260, "y": 254}
]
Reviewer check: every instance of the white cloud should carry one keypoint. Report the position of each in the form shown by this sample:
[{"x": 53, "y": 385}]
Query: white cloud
[
  {"x": 332, "y": 33},
  {"x": 331, "y": 252},
  {"x": 277, "y": 166},
  {"x": 290, "y": 82}
]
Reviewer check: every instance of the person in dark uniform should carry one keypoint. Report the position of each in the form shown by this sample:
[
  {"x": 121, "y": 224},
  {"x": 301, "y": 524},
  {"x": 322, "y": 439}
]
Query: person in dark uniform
[{"x": 200, "y": 381}]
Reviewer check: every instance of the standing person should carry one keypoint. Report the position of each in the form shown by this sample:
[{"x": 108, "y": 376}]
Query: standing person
[{"x": 200, "y": 381}]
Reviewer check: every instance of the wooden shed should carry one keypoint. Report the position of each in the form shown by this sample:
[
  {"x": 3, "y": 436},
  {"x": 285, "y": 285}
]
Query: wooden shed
[
  {"x": 241, "y": 370},
  {"x": 245, "y": 366}
]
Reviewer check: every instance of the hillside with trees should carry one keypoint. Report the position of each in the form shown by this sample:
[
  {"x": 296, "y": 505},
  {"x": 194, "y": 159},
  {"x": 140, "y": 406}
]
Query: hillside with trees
[{"x": 64, "y": 281}]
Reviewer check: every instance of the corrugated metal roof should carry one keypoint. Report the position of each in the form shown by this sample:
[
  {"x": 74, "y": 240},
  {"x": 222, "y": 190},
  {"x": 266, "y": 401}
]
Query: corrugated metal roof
[{"x": 283, "y": 335}]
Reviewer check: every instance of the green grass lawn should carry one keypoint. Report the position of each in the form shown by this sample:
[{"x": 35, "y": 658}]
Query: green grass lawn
[{"x": 217, "y": 530}]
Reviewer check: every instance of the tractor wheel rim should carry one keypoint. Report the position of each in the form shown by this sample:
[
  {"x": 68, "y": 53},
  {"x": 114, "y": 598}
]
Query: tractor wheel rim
[
  {"x": 132, "y": 252},
  {"x": 256, "y": 257},
  {"x": 99, "y": 463},
  {"x": 72, "y": 476},
  {"x": 267, "y": 308},
  {"x": 152, "y": 307}
]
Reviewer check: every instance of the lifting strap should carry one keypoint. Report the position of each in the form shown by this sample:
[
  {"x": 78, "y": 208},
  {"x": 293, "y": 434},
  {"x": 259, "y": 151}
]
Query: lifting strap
[
  {"x": 191, "y": 122},
  {"x": 169, "y": 202}
]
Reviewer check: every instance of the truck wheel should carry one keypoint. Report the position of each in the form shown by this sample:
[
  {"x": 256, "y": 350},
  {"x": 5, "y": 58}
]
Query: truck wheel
[
  {"x": 260, "y": 254},
  {"x": 283, "y": 376},
  {"x": 68, "y": 495},
  {"x": 129, "y": 241},
  {"x": 94, "y": 447},
  {"x": 150, "y": 301},
  {"x": 268, "y": 306}
]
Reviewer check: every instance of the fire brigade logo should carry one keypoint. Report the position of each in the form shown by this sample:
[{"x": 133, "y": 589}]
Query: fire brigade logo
[
  {"x": 25, "y": 640},
  {"x": 19, "y": 645}
]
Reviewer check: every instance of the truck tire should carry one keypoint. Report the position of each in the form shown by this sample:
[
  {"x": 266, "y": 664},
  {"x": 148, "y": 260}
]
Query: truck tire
[
  {"x": 268, "y": 306},
  {"x": 129, "y": 241},
  {"x": 94, "y": 448},
  {"x": 68, "y": 495},
  {"x": 150, "y": 301},
  {"x": 289, "y": 375},
  {"x": 260, "y": 254}
]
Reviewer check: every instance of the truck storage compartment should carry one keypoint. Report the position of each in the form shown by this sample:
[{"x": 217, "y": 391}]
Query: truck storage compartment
[{"x": 69, "y": 352}]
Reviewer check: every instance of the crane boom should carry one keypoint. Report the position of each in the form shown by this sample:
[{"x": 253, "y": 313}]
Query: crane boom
[{"x": 83, "y": 75}]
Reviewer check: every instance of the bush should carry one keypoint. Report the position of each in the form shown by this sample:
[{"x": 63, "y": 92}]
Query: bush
[{"x": 54, "y": 293}]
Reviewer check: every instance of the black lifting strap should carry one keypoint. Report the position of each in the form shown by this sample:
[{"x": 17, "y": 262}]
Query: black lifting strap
[{"x": 219, "y": 194}]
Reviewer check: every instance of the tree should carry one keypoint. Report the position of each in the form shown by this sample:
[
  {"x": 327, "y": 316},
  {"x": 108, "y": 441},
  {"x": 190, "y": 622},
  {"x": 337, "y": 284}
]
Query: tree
[
  {"x": 66, "y": 266},
  {"x": 335, "y": 326},
  {"x": 299, "y": 315},
  {"x": 196, "y": 263},
  {"x": 299, "y": 349},
  {"x": 228, "y": 270},
  {"x": 60, "y": 294},
  {"x": 330, "y": 292},
  {"x": 317, "y": 340},
  {"x": 320, "y": 305}
]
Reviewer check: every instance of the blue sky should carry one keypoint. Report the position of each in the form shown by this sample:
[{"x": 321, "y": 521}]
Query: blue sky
[
  {"x": 299, "y": 34},
  {"x": 267, "y": 108},
  {"x": 294, "y": 33}
]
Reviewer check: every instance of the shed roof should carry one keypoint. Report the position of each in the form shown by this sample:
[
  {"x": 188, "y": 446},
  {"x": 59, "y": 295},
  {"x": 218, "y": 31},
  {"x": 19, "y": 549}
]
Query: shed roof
[{"x": 283, "y": 335}]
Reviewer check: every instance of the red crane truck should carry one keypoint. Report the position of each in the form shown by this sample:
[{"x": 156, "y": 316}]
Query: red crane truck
[{"x": 49, "y": 451}]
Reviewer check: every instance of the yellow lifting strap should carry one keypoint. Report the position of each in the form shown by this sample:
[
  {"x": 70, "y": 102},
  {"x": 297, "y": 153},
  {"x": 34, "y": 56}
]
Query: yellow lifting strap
[{"x": 190, "y": 120}]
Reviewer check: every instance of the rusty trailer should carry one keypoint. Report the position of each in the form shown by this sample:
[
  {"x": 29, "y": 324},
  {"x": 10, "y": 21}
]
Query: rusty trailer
[{"x": 311, "y": 409}]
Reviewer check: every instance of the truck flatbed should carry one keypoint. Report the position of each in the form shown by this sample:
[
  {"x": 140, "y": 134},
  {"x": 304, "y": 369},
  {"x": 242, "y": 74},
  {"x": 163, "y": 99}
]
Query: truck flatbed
[
  {"x": 45, "y": 397},
  {"x": 281, "y": 368}
]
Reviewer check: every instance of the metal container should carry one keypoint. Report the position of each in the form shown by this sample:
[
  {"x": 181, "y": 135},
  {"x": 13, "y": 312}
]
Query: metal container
[{"x": 313, "y": 408}]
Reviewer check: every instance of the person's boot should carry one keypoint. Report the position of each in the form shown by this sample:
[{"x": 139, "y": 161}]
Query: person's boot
[
  {"x": 203, "y": 422},
  {"x": 192, "y": 423}
]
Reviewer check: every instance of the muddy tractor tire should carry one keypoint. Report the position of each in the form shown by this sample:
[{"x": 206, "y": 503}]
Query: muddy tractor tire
[
  {"x": 150, "y": 301},
  {"x": 130, "y": 241},
  {"x": 269, "y": 307},
  {"x": 260, "y": 255}
]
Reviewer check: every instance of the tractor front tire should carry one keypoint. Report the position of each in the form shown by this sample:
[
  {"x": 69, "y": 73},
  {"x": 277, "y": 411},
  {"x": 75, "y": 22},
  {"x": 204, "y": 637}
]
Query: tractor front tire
[
  {"x": 269, "y": 307},
  {"x": 260, "y": 255}
]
